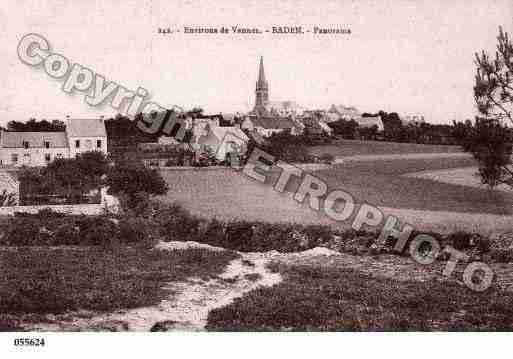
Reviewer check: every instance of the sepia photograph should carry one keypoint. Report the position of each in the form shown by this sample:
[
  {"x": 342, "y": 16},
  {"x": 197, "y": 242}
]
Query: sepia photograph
[{"x": 289, "y": 172}]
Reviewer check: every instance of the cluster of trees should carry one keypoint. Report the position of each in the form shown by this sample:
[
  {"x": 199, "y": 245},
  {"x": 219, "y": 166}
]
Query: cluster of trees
[
  {"x": 287, "y": 147},
  {"x": 132, "y": 181},
  {"x": 394, "y": 130},
  {"x": 73, "y": 179},
  {"x": 344, "y": 128},
  {"x": 426, "y": 133},
  {"x": 123, "y": 132},
  {"x": 490, "y": 141},
  {"x": 34, "y": 125},
  {"x": 66, "y": 178}
]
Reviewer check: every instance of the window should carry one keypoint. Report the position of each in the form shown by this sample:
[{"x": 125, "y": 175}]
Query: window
[
  {"x": 47, "y": 157},
  {"x": 47, "y": 144},
  {"x": 14, "y": 158},
  {"x": 26, "y": 144},
  {"x": 98, "y": 143},
  {"x": 77, "y": 143},
  {"x": 58, "y": 155}
]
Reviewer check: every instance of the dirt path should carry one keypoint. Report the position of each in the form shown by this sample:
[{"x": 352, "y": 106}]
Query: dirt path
[{"x": 187, "y": 310}]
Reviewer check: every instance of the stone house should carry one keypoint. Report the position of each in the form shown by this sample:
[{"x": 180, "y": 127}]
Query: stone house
[{"x": 39, "y": 148}]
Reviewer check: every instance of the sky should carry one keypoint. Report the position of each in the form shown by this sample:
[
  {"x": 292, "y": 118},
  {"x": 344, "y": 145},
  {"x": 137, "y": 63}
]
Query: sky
[{"x": 411, "y": 57}]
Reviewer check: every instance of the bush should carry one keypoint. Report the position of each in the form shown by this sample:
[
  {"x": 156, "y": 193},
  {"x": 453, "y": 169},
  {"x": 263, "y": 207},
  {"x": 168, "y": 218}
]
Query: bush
[
  {"x": 483, "y": 245},
  {"x": 136, "y": 230},
  {"x": 327, "y": 158},
  {"x": 67, "y": 234},
  {"x": 461, "y": 240},
  {"x": 21, "y": 232},
  {"x": 238, "y": 235},
  {"x": 175, "y": 223},
  {"x": 214, "y": 233},
  {"x": 502, "y": 255},
  {"x": 99, "y": 230},
  {"x": 129, "y": 179},
  {"x": 138, "y": 204},
  {"x": 318, "y": 234}
]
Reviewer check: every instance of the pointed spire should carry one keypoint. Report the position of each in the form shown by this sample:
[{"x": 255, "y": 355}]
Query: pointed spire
[
  {"x": 262, "y": 89},
  {"x": 261, "y": 74}
]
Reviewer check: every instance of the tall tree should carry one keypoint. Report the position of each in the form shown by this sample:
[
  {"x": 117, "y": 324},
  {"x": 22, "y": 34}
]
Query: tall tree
[
  {"x": 490, "y": 139},
  {"x": 493, "y": 90}
]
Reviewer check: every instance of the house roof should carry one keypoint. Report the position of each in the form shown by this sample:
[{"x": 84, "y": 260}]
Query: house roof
[
  {"x": 221, "y": 131},
  {"x": 10, "y": 139},
  {"x": 344, "y": 110},
  {"x": 325, "y": 127},
  {"x": 370, "y": 121},
  {"x": 316, "y": 124},
  {"x": 86, "y": 128},
  {"x": 273, "y": 123},
  {"x": 258, "y": 138}
]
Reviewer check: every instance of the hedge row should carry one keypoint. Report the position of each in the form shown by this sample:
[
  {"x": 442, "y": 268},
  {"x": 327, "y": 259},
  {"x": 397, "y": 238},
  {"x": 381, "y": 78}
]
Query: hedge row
[
  {"x": 154, "y": 221},
  {"x": 52, "y": 228}
]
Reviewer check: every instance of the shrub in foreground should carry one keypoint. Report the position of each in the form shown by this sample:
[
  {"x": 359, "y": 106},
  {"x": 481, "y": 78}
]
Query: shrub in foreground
[{"x": 316, "y": 298}]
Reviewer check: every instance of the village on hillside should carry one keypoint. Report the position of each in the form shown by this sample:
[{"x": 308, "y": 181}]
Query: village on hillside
[{"x": 283, "y": 217}]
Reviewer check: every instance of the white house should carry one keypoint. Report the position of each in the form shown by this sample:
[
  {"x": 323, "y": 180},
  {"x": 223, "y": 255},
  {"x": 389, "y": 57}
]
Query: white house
[
  {"x": 337, "y": 112},
  {"x": 32, "y": 148},
  {"x": 267, "y": 126},
  {"x": 415, "y": 120},
  {"x": 369, "y": 121},
  {"x": 39, "y": 148},
  {"x": 284, "y": 108},
  {"x": 86, "y": 135},
  {"x": 222, "y": 140}
]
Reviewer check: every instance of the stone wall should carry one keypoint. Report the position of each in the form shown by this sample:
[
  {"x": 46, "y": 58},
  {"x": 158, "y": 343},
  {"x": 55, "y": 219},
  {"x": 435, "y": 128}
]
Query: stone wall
[
  {"x": 108, "y": 204},
  {"x": 87, "y": 209}
]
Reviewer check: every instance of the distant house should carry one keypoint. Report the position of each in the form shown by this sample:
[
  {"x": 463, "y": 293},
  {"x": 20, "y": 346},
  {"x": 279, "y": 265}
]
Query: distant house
[
  {"x": 315, "y": 126},
  {"x": 223, "y": 141},
  {"x": 326, "y": 129},
  {"x": 284, "y": 108},
  {"x": 267, "y": 126},
  {"x": 337, "y": 112},
  {"x": 40, "y": 148},
  {"x": 415, "y": 120},
  {"x": 369, "y": 121}
]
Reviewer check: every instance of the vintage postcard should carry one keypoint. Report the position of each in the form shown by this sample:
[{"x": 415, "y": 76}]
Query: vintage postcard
[{"x": 255, "y": 166}]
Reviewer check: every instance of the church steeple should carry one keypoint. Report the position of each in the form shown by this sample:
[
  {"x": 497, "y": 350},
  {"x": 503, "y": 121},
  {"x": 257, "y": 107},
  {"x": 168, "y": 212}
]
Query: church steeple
[
  {"x": 262, "y": 88},
  {"x": 261, "y": 73}
]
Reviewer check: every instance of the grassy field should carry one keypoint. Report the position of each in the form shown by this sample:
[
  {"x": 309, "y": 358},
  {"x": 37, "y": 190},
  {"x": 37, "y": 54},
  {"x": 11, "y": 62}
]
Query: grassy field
[
  {"x": 355, "y": 147},
  {"x": 336, "y": 299},
  {"x": 466, "y": 176},
  {"x": 382, "y": 183},
  {"x": 227, "y": 194},
  {"x": 46, "y": 280}
]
